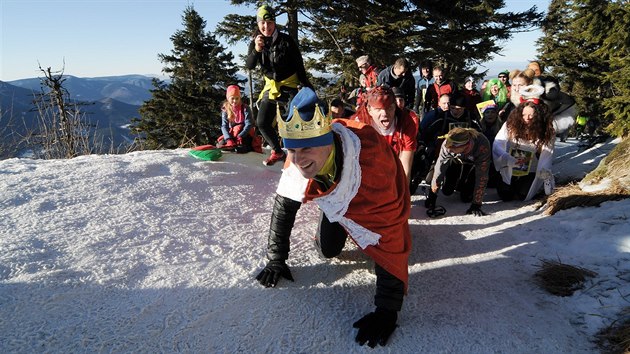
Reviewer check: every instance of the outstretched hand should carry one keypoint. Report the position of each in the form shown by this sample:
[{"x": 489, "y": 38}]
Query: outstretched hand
[
  {"x": 376, "y": 327},
  {"x": 272, "y": 272},
  {"x": 475, "y": 209}
]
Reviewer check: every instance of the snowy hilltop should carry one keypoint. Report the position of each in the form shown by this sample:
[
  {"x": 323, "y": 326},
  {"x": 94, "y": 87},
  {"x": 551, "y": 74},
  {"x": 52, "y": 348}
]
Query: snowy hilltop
[{"x": 156, "y": 251}]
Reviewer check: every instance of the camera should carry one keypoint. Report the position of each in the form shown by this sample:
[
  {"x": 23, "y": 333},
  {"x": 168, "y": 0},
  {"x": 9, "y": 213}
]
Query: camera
[{"x": 267, "y": 41}]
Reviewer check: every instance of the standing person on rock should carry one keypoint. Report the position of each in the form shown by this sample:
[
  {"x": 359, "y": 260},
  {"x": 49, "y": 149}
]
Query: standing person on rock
[{"x": 282, "y": 65}]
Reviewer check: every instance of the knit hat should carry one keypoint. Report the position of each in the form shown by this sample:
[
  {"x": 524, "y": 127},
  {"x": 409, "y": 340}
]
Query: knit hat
[
  {"x": 470, "y": 78},
  {"x": 504, "y": 72},
  {"x": 233, "y": 90},
  {"x": 381, "y": 97},
  {"x": 531, "y": 93},
  {"x": 362, "y": 60},
  {"x": 398, "y": 92},
  {"x": 457, "y": 99},
  {"x": 307, "y": 124},
  {"x": 489, "y": 107},
  {"x": 265, "y": 13}
]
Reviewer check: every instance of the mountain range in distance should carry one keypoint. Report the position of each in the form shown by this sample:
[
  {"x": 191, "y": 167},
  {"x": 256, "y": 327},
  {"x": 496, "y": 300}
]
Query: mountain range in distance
[
  {"x": 130, "y": 89},
  {"x": 109, "y": 103}
]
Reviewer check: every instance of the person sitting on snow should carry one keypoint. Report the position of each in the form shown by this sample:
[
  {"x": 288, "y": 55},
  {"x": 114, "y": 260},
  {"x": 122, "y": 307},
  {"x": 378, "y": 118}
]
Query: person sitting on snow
[
  {"x": 237, "y": 124},
  {"x": 357, "y": 181}
]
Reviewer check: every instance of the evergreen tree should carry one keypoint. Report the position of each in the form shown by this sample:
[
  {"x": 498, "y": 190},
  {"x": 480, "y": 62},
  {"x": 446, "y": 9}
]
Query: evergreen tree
[
  {"x": 186, "y": 111},
  {"x": 586, "y": 46},
  {"x": 616, "y": 45},
  {"x": 457, "y": 34}
]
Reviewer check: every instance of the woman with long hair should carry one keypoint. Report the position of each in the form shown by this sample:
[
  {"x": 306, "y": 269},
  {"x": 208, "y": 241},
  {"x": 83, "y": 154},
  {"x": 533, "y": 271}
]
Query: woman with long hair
[{"x": 523, "y": 148}]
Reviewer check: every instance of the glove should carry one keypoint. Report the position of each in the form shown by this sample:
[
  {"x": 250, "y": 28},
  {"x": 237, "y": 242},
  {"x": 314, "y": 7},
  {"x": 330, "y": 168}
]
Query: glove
[
  {"x": 475, "y": 209},
  {"x": 270, "y": 275},
  {"x": 229, "y": 143},
  {"x": 548, "y": 181},
  {"x": 376, "y": 327},
  {"x": 429, "y": 203},
  {"x": 239, "y": 140}
]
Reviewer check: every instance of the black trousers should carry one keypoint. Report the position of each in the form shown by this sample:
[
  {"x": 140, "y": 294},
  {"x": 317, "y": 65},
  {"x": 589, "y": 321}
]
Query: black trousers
[
  {"x": 331, "y": 238},
  {"x": 517, "y": 189},
  {"x": 267, "y": 110},
  {"x": 459, "y": 177}
]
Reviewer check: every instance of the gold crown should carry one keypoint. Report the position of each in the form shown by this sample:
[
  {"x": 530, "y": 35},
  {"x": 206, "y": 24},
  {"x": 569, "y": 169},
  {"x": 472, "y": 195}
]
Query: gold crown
[{"x": 296, "y": 128}]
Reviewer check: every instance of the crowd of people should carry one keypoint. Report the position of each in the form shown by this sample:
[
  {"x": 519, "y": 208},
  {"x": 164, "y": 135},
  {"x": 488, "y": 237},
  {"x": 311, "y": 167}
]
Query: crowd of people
[{"x": 361, "y": 156}]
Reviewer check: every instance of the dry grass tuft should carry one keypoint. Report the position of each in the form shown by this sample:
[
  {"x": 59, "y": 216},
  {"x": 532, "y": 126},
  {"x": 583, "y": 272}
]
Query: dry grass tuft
[
  {"x": 561, "y": 279},
  {"x": 571, "y": 196},
  {"x": 615, "y": 339}
]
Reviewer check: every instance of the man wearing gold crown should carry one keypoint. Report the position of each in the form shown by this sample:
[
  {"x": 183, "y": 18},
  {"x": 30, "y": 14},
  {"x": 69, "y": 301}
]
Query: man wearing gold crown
[{"x": 360, "y": 187}]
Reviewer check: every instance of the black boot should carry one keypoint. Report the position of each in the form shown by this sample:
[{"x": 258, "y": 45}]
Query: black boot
[{"x": 429, "y": 203}]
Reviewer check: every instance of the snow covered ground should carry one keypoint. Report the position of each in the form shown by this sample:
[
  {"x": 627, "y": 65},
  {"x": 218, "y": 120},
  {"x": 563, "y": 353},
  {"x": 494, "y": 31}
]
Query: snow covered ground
[{"x": 156, "y": 251}]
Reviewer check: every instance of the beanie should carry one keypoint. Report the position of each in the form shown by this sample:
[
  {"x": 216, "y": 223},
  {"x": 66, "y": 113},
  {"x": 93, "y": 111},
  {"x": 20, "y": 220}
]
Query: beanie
[
  {"x": 265, "y": 13},
  {"x": 233, "y": 90},
  {"x": 362, "y": 60}
]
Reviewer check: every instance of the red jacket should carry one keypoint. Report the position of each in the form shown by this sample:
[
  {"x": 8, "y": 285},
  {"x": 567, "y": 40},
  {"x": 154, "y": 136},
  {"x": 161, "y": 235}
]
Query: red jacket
[
  {"x": 405, "y": 135},
  {"x": 434, "y": 92},
  {"x": 377, "y": 208}
]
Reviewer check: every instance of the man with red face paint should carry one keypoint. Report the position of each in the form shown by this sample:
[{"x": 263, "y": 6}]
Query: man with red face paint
[{"x": 395, "y": 125}]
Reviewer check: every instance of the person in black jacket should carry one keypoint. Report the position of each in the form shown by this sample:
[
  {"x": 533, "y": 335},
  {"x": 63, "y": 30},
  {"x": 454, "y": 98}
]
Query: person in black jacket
[
  {"x": 399, "y": 75},
  {"x": 283, "y": 68}
]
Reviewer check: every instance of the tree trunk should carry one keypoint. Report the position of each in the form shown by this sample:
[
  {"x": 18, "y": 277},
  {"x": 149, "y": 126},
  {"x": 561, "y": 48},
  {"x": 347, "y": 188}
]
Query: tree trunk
[{"x": 292, "y": 20}]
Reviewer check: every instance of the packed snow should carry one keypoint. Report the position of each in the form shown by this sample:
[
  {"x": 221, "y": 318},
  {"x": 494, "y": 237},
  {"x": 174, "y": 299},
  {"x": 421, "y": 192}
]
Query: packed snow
[{"x": 156, "y": 251}]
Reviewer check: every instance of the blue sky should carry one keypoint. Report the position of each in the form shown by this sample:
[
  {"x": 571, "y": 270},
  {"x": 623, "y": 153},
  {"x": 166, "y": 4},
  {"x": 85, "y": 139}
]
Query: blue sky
[{"x": 118, "y": 37}]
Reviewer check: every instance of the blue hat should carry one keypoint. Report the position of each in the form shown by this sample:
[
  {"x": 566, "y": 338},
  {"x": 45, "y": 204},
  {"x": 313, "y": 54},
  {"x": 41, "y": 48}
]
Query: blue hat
[{"x": 307, "y": 124}]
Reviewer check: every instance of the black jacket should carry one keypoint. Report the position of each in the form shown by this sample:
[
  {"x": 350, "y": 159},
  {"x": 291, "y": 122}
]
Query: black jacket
[
  {"x": 279, "y": 60},
  {"x": 406, "y": 83}
]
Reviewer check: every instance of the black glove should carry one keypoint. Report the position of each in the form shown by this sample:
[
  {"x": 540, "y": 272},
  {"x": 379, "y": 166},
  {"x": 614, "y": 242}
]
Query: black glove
[
  {"x": 429, "y": 203},
  {"x": 376, "y": 327},
  {"x": 270, "y": 275},
  {"x": 475, "y": 209}
]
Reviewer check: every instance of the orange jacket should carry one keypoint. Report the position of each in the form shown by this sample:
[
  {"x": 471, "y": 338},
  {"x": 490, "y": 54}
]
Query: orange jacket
[{"x": 378, "y": 203}]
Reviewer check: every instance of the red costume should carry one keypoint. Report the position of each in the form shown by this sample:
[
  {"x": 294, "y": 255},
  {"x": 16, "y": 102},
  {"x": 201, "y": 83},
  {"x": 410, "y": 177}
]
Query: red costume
[
  {"x": 374, "y": 214},
  {"x": 404, "y": 136}
]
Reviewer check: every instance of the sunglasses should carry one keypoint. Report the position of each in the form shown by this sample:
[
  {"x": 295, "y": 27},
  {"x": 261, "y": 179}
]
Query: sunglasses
[
  {"x": 364, "y": 66},
  {"x": 502, "y": 77}
]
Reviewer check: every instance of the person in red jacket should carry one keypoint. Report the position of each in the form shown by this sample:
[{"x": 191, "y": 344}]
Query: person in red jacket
[
  {"x": 360, "y": 187},
  {"x": 472, "y": 97},
  {"x": 441, "y": 86},
  {"x": 395, "y": 125},
  {"x": 368, "y": 70}
]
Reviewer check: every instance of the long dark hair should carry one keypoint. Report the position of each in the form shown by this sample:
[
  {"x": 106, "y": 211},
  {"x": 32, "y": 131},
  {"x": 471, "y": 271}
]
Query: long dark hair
[{"x": 540, "y": 132}]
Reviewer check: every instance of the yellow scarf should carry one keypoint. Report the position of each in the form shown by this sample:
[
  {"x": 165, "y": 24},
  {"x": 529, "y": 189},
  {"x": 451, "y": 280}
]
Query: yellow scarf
[
  {"x": 327, "y": 174},
  {"x": 274, "y": 86}
]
